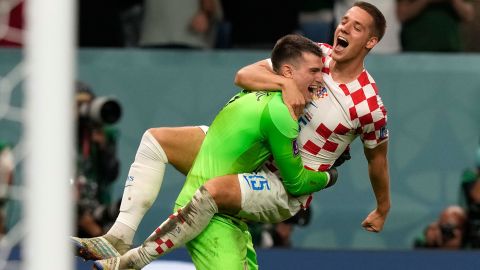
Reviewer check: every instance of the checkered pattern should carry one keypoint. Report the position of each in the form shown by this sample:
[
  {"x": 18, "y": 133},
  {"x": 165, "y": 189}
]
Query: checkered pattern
[
  {"x": 163, "y": 245},
  {"x": 333, "y": 121}
]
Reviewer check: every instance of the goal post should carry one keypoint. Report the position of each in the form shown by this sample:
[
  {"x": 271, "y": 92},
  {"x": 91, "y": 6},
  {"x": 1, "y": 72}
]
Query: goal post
[{"x": 49, "y": 123}]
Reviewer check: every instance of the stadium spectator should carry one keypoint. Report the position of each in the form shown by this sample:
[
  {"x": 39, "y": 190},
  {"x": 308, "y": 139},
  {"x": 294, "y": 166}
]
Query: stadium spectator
[
  {"x": 11, "y": 23},
  {"x": 433, "y": 25},
  {"x": 259, "y": 24},
  {"x": 316, "y": 20},
  {"x": 471, "y": 29},
  {"x": 189, "y": 24},
  {"x": 100, "y": 22}
]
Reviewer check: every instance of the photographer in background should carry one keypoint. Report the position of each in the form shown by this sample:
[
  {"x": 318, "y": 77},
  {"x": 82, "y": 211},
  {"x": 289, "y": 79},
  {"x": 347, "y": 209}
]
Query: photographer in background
[
  {"x": 97, "y": 163},
  {"x": 470, "y": 194},
  {"x": 448, "y": 232}
]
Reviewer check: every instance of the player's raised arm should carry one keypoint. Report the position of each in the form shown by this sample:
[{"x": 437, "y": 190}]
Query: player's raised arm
[{"x": 259, "y": 76}]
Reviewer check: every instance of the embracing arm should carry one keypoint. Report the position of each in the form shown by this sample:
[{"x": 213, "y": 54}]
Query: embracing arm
[
  {"x": 380, "y": 180},
  {"x": 259, "y": 76},
  {"x": 281, "y": 133}
]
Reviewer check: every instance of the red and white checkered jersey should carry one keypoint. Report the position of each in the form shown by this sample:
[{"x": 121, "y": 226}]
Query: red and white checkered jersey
[{"x": 337, "y": 115}]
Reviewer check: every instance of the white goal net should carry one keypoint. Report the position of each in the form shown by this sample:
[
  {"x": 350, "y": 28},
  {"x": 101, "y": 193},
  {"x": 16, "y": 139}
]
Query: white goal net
[{"x": 36, "y": 97}]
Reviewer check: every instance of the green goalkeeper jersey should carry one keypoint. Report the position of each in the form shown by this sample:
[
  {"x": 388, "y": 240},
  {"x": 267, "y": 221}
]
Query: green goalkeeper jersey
[{"x": 250, "y": 128}]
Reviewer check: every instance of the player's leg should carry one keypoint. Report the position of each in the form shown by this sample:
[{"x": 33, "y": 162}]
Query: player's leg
[
  {"x": 145, "y": 178},
  {"x": 181, "y": 144},
  {"x": 188, "y": 222},
  {"x": 258, "y": 197},
  {"x": 177, "y": 146},
  {"x": 225, "y": 244},
  {"x": 265, "y": 200}
]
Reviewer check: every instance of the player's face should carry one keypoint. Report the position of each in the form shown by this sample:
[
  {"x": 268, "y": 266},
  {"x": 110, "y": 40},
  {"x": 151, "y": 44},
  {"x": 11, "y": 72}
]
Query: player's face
[
  {"x": 308, "y": 74},
  {"x": 353, "y": 36}
]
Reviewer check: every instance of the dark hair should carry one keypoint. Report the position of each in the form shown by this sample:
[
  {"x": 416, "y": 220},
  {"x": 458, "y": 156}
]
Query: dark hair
[
  {"x": 290, "y": 48},
  {"x": 379, "y": 21}
]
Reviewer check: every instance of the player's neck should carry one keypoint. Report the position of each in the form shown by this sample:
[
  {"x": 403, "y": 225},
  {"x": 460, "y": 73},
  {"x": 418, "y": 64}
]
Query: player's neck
[{"x": 346, "y": 71}]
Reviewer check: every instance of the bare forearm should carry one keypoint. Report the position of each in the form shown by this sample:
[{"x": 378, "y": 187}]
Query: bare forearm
[
  {"x": 465, "y": 10},
  {"x": 380, "y": 181},
  {"x": 259, "y": 76},
  {"x": 407, "y": 10}
]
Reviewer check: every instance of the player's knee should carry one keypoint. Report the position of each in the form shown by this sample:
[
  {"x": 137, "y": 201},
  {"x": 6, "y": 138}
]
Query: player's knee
[
  {"x": 159, "y": 134},
  {"x": 215, "y": 192},
  {"x": 226, "y": 195}
]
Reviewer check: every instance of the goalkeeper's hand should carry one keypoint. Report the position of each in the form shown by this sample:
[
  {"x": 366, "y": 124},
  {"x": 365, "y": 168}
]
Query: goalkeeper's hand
[{"x": 333, "y": 175}]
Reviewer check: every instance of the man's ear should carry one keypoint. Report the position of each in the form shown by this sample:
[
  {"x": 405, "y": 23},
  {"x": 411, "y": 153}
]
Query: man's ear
[
  {"x": 286, "y": 70},
  {"x": 372, "y": 42}
]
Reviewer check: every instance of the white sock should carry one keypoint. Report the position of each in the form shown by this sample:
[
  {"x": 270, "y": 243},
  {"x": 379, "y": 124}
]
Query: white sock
[
  {"x": 177, "y": 230},
  {"x": 141, "y": 188}
]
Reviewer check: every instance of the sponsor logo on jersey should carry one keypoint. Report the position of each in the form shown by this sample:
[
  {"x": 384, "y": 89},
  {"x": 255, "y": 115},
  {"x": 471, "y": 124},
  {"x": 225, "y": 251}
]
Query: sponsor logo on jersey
[{"x": 295, "y": 148}]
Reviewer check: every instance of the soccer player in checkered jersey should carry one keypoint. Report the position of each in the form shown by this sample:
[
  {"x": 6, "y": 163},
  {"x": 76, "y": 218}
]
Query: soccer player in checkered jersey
[
  {"x": 347, "y": 107},
  {"x": 180, "y": 145}
]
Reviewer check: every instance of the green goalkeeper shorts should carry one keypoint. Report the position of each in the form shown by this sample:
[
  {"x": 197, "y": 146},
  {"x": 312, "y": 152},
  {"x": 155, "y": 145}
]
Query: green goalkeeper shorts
[{"x": 226, "y": 243}]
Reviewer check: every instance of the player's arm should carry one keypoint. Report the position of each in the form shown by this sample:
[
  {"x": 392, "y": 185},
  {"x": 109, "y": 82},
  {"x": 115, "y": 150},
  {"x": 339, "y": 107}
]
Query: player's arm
[
  {"x": 408, "y": 9},
  {"x": 259, "y": 76},
  {"x": 280, "y": 132},
  {"x": 465, "y": 9},
  {"x": 380, "y": 181}
]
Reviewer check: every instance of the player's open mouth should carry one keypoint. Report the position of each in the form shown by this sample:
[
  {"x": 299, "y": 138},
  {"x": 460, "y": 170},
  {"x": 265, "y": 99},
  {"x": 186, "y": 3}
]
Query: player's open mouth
[
  {"x": 313, "y": 88},
  {"x": 342, "y": 43}
]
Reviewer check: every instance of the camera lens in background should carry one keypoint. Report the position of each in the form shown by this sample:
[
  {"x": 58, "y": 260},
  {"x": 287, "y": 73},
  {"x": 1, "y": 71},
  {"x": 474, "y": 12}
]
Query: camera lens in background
[{"x": 105, "y": 110}]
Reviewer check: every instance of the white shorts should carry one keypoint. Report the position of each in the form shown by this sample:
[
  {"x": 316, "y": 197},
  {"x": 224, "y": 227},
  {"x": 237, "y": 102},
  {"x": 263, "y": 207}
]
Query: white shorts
[{"x": 265, "y": 200}]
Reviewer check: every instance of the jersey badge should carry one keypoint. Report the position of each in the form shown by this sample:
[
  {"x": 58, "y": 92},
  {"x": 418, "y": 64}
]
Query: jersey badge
[
  {"x": 321, "y": 93},
  {"x": 383, "y": 133}
]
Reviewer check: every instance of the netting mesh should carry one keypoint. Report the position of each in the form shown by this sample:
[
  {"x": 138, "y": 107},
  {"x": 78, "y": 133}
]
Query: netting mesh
[{"x": 11, "y": 130}]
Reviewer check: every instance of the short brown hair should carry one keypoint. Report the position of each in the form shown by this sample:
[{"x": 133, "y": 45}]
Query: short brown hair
[
  {"x": 290, "y": 48},
  {"x": 379, "y": 22}
]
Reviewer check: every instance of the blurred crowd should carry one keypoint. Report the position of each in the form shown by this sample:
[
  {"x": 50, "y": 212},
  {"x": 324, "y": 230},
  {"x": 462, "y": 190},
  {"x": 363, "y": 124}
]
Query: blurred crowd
[{"x": 412, "y": 25}]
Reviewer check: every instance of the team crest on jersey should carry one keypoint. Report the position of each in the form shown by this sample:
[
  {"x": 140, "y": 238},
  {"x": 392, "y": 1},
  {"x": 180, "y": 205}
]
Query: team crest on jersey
[
  {"x": 295, "y": 147},
  {"x": 320, "y": 93}
]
